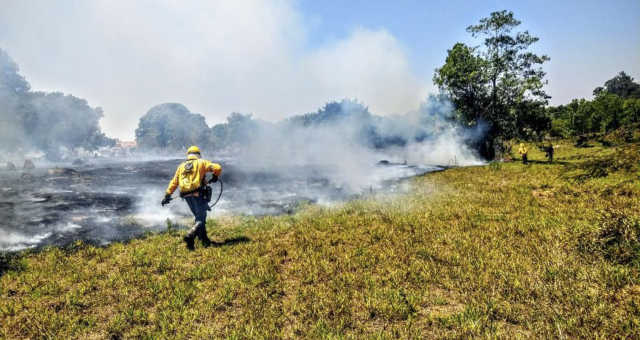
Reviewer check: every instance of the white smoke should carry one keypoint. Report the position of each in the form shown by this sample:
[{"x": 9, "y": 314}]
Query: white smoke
[
  {"x": 215, "y": 56},
  {"x": 338, "y": 150}
]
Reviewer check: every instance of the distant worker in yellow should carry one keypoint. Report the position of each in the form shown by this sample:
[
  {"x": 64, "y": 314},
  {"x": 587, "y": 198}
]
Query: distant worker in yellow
[
  {"x": 522, "y": 150},
  {"x": 190, "y": 177}
]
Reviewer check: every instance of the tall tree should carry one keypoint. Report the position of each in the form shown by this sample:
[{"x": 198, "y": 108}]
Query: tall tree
[
  {"x": 49, "y": 122},
  {"x": 500, "y": 82},
  {"x": 172, "y": 126}
]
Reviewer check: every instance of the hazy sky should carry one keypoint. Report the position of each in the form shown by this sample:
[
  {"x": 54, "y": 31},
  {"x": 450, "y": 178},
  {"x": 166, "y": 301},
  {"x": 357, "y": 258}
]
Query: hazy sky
[{"x": 278, "y": 58}]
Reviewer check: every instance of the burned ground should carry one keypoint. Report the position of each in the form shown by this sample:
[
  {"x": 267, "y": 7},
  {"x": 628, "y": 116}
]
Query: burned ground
[{"x": 115, "y": 201}]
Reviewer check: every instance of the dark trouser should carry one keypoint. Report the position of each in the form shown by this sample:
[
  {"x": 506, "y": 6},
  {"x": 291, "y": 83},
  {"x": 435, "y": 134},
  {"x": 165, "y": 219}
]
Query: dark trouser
[
  {"x": 199, "y": 208},
  {"x": 524, "y": 159}
]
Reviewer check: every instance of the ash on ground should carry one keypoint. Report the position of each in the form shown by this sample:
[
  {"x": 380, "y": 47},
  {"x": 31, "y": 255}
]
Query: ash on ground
[{"x": 117, "y": 201}]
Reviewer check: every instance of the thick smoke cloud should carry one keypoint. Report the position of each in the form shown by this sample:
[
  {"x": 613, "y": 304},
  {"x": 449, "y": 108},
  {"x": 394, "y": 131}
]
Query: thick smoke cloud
[
  {"x": 216, "y": 56},
  {"x": 347, "y": 143},
  {"x": 342, "y": 141}
]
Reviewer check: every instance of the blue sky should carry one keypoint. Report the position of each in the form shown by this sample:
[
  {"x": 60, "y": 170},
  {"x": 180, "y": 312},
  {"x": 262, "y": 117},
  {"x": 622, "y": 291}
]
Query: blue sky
[{"x": 588, "y": 41}]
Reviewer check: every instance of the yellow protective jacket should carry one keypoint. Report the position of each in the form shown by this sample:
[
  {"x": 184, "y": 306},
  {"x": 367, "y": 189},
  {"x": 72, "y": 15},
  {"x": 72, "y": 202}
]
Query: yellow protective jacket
[
  {"x": 522, "y": 150},
  {"x": 189, "y": 177}
]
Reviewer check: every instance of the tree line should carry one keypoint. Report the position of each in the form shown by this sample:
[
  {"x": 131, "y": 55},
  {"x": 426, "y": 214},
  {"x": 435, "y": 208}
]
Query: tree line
[
  {"x": 616, "y": 104},
  {"x": 500, "y": 83},
  {"x": 172, "y": 126}
]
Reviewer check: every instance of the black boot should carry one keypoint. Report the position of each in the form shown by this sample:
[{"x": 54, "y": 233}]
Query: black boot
[
  {"x": 189, "y": 240},
  {"x": 202, "y": 235},
  {"x": 190, "y": 237}
]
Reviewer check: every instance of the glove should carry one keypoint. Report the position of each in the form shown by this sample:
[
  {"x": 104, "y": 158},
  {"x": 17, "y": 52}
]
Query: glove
[
  {"x": 166, "y": 200},
  {"x": 213, "y": 179}
]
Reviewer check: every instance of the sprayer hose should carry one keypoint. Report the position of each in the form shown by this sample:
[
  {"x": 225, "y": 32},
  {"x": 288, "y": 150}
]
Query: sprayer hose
[{"x": 219, "y": 195}]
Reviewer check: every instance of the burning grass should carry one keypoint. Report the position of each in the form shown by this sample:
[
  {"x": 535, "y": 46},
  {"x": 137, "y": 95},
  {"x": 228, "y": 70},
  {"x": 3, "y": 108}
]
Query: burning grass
[{"x": 506, "y": 251}]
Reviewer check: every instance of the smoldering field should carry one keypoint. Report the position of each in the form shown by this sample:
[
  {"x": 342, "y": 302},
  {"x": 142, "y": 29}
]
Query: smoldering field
[
  {"x": 115, "y": 200},
  {"x": 339, "y": 153}
]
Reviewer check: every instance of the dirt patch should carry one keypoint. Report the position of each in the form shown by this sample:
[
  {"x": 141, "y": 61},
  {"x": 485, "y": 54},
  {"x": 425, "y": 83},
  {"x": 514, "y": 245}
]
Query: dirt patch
[{"x": 542, "y": 194}]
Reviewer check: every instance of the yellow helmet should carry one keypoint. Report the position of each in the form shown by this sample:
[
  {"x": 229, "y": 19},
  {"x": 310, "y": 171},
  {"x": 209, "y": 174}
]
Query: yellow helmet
[{"x": 193, "y": 149}]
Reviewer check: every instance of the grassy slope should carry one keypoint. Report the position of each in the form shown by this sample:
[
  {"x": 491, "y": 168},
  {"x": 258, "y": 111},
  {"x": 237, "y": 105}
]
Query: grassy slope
[{"x": 504, "y": 250}]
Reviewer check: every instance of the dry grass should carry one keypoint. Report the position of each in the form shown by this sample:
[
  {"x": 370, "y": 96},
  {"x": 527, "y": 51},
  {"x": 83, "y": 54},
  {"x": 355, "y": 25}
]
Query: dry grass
[{"x": 505, "y": 250}]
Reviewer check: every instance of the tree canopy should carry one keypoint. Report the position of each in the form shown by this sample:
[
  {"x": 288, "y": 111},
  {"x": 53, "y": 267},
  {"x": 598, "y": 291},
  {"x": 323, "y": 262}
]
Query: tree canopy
[
  {"x": 499, "y": 82},
  {"x": 621, "y": 85},
  {"x": 171, "y": 126},
  {"x": 44, "y": 121}
]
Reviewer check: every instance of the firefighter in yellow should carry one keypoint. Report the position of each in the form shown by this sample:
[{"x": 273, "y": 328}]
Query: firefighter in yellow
[
  {"x": 190, "y": 177},
  {"x": 522, "y": 150}
]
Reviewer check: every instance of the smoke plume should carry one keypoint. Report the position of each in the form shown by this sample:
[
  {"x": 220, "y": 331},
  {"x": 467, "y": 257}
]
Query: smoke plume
[
  {"x": 342, "y": 141},
  {"x": 215, "y": 56}
]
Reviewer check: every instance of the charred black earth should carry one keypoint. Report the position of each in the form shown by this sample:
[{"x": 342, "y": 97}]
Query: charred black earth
[{"x": 115, "y": 201}]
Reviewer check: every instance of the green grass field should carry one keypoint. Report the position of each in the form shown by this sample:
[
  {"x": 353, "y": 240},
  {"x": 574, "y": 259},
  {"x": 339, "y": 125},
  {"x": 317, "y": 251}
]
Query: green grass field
[{"x": 503, "y": 250}]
